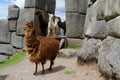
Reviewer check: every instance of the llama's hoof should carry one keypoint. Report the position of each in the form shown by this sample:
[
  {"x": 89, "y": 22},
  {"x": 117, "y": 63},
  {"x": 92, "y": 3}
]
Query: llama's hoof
[
  {"x": 50, "y": 69},
  {"x": 35, "y": 73}
]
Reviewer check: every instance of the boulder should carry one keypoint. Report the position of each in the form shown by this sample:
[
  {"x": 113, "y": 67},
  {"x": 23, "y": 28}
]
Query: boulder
[
  {"x": 112, "y": 9},
  {"x": 12, "y": 25},
  {"x": 39, "y": 4},
  {"x": 26, "y": 15},
  {"x": 4, "y": 32},
  {"x": 109, "y": 58},
  {"x": 68, "y": 53},
  {"x": 89, "y": 51},
  {"x": 16, "y": 41},
  {"x": 74, "y": 25},
  {"x": 114, "y": 27},
  {"x": 13, "y": 12}
]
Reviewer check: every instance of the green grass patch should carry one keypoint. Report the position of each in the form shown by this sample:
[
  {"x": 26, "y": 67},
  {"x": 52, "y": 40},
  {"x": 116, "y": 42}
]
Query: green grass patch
[
  {"x": 69, "y": 72},
  {"x": 12, "y": 60},
  {"x": 73, "y": 47}
]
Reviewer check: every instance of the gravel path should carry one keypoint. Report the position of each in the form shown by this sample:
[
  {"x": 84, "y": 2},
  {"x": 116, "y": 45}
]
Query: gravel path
[{"x": 24, "y": 71}]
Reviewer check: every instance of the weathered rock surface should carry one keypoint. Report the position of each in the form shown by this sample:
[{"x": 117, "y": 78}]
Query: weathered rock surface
[
  {"x": 26, "y": 15},
  {"x": 114, "y": 27},
  {"x": 68, "y": 52},
  {"x": 74, "y": 25},
  {"x": 50, "y": 6},
  {"x": 3, "y": 57},
  {"x": 40, "y": 4},
  {"x": 79, "y": 6},
  {"x": 17, "y": 41},
  {"x": 109, "y": 58},
  {"x": 12, "y": 25},
  {"x": 89, "y": 51},
  {"x": 13, "y": 12},
  {"x": 112, "y": 9},
  {"x": 6, "y": 48},
  {"x": 4, "y": 32}
]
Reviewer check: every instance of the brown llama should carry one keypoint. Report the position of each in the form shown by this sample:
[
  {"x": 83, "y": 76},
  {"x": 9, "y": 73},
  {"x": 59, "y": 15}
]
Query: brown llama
[{"x": 39, "y": 50}]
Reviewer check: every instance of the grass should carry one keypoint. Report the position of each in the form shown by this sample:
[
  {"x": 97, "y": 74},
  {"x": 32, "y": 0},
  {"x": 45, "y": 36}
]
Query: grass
[
  {"x": 13, "y": 60},
  {"x": 69, "y": 72},
  {"x": 73, "y": 47}
]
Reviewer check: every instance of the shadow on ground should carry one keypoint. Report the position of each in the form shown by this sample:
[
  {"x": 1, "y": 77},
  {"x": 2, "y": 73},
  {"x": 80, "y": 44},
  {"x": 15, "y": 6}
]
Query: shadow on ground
[
  {"x": 3, "y": 77},
  {"x": 54, "y": 69}
]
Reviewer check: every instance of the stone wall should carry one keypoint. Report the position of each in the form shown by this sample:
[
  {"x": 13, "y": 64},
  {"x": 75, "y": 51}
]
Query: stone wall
[
  {"x": 12, "y": 33},
  {"x": 102, "y": 37},
  {"x": 75, "y": 17}
]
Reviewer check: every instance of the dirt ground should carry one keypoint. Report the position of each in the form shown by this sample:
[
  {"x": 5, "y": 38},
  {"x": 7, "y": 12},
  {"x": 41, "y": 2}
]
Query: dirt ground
[{"x": 24, "y": 71}]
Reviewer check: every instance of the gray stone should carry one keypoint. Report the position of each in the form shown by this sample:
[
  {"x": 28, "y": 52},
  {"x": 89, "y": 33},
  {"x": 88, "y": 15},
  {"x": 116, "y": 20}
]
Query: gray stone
[
  {"x": 89, "y": 51},
  {"x": 109, "y": 58},
  {"x": 26, "y": 15},
  {"x": 112, "y": 9},
  {"x": 114, "y": 27},
  {"x": 50, "y": 6},
  {"x": 97, "y": 29},
  {"x": 17, "y": 41},
  {"x": 79, "y": 6},
  {"x": 3, "y": 58},
  {"x": 82, "y": 6},
  {"x": 13, "y": 12},
  {"x": 12, "y": 25},
  {"x": 4, "y": 32},
  {"x": 74, "y": 25},
  {"x": 71, "y": 6},
  {"x": 94, "y": 28},
  {"x": 6, "y": 48},
  {"x": 39, "y": 4},
  {"x": 68, "y": 53}
]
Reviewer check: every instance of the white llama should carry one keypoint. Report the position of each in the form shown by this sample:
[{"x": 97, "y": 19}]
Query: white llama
[
  {"x": 56, "y": 27},
  {"x": 51, "y": 30}
]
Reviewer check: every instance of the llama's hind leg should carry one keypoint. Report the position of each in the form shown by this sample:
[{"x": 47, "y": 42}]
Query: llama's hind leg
[
  {"x": 51, "y": 63},
  {"x": 43, "y": 71},
  {"x": 36, "y": 65}
]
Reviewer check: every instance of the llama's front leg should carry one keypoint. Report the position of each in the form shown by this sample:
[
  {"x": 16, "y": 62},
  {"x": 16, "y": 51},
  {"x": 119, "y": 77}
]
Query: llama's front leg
[
  {"x": 36, "y": 65},
  {"x": 54, "y": 33},
  {"x": 48, "y": 32}
]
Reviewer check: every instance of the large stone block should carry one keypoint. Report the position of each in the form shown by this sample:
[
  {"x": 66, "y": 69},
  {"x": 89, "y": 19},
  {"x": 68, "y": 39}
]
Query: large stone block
[
  {"x": 13, "y": 12},
  {"x": 112, "y": 9},
  {"x": 26, "y": 15},
  {"x": 89, "y": 51},
  {"x": 39, "y": 4},
  {"x": 17, "y": 41},
  {"x": 114, "y": 27},
  {"x": 71, "y": 5},
  {"x": 6, "y": 48},
  {"x": 82, "y": 6},
  {"x": 74, "y": 25},
  {"x": 50, "y": 6},
  {"x": 109, "y": 58},
  {"x": 3, "y": 57},
  {"x": 12, "y": 25},
  {"x": 4, "y": 32},
  {"x": 94, "y": 28},
  {"x": 79, "y": 6}
]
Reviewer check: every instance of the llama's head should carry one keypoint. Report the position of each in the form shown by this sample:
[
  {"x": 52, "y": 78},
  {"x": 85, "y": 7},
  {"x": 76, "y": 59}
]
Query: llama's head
[
  {"x": 29, "y": 29},
  {"x": 50, "y": 16}
]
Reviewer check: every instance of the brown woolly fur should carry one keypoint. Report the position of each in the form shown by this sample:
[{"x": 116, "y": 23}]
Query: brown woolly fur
[{"x": 39, "y": 50}]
